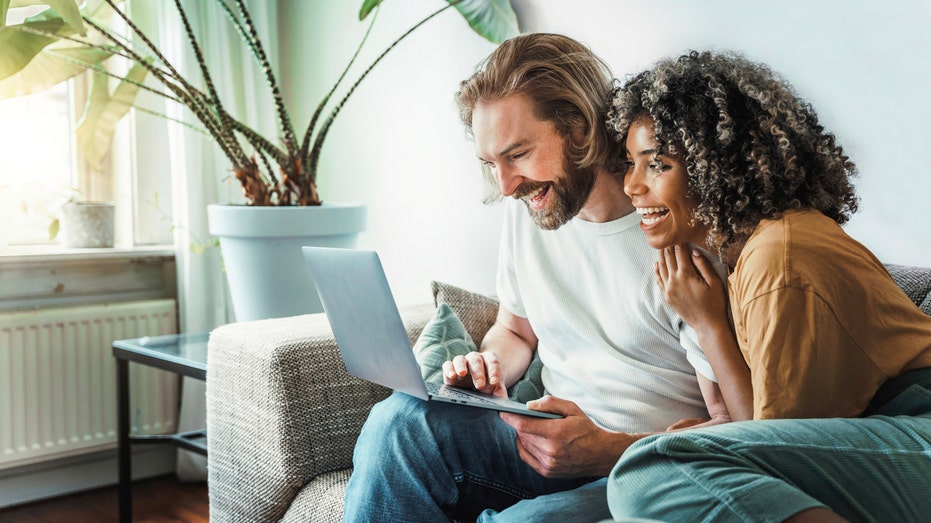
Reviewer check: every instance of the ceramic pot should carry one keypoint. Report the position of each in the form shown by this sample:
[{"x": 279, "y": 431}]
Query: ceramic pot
[
  {"x": 261, "y": 248},
  {"x": 87, "y": 224}
]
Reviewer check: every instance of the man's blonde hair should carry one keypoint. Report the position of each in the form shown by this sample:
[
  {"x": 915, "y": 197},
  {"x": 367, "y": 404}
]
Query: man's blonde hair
[{"x": 567, "y": 83}]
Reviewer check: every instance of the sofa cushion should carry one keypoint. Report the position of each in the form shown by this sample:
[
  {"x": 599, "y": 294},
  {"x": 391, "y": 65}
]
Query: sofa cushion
[
  {"x": 477, "y": 311},
  {"x": 915, "y": 282},
  {"x": 321, "y": 500}
]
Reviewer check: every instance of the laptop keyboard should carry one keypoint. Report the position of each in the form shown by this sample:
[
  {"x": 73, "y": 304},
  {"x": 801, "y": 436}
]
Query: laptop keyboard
[{"x": 457, "y": 394}]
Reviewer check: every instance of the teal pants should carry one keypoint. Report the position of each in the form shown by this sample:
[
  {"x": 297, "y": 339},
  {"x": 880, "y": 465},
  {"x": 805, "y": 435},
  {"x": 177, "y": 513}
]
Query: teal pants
[{"x": 873, "y": 468}]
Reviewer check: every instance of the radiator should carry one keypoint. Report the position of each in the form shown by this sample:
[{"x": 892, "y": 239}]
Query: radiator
[{"x": 58, "y": 379}]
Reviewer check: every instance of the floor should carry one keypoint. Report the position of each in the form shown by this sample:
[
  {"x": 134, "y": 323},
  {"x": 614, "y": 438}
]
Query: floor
[{"x": 159, "y": 500}]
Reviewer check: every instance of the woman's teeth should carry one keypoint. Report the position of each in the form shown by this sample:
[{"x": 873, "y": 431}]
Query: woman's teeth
[{"x": 651, "y": 215}]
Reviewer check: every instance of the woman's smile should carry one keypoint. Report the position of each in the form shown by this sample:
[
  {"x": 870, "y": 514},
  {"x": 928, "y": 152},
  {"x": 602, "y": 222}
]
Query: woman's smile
[
  {"x": 657, "y": 183},
  {"x": 651, "y": 215}
]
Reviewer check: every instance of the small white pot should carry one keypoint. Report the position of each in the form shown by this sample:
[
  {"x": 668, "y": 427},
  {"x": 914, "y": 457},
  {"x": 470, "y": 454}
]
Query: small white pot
[{"x": 87, "y": 224}]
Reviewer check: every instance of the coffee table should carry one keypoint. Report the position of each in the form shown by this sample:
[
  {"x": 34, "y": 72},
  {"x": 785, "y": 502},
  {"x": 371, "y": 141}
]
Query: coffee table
[{"x": 183, "y": 354}]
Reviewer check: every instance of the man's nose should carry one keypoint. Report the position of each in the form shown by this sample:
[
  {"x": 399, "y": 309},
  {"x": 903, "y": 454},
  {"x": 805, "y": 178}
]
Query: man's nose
[{"x": 508, "y": 180}]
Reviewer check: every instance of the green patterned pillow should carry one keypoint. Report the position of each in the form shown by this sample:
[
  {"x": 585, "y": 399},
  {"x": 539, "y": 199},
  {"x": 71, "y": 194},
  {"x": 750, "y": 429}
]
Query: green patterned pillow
[
  {"x": 445, "y": 337},
  {"x": 530, "y": 387}
]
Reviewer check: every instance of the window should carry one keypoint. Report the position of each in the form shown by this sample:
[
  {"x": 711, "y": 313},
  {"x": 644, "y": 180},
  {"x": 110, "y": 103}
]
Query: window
[
  {"x": 39, "y": 163},
  {"x": 37, "y": 173},
  {"x": 41, "y": 167}
]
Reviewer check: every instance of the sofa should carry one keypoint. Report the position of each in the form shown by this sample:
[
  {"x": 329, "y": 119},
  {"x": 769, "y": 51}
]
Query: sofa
[{"x": 283, "y": 414}]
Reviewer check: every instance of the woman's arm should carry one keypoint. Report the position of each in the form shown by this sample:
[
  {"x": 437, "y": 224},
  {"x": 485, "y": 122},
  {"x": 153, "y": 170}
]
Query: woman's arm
[
  {"x": 714, "y": 402},
  {"x": 692, "y": 287}
]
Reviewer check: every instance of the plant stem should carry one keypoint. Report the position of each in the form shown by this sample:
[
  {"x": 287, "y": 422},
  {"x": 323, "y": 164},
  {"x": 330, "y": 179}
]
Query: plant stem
[
  {"x": 305, "y": 144},
  {"x": 321, "y": 136},
  {"x": 214, "y": 99},
  {"x": 289, "y": 137},
  {"x": 227, "y": 144}
]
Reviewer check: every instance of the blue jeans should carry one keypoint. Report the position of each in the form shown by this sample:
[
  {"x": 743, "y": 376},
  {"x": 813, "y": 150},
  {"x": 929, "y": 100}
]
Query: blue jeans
[
  {"x": 425, "y": 461},
  {"x": 874, "y": 468}
]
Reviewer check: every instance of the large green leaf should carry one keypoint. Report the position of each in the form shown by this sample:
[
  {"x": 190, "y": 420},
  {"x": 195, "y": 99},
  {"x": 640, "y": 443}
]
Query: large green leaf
[
  {"x": 21, "y": 43},
  {"x": 68, "y": 10},
  {"x": 4, "y": 6},
  {"x": 367, "y": 7},
  {"x": 31, "y": 63},
  {"x": 103, "y": 112},
  {"x": 100, "y": 11},
  {"x": 20, "y": 46},
  {"x": 495, "y": 20},
  {"x": 49, "y": 68}
]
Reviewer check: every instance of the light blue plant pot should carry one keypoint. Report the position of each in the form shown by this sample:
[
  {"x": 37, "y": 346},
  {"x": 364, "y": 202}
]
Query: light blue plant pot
[{"x": 261, "y": 249}]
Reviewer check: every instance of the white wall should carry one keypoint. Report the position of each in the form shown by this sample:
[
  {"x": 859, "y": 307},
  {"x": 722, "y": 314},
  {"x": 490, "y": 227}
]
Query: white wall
[{"x": 398, "y": 145}]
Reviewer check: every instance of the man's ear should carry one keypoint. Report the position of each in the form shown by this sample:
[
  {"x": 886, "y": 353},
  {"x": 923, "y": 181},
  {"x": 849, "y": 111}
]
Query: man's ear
[{"x": 574, "y": 141}]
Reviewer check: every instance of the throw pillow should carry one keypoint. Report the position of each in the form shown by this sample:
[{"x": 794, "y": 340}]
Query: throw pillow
[
  {"x": 443, "y": 338},
  {"x": 530, "y": 387},
  {"x": 477, "y": 311}
]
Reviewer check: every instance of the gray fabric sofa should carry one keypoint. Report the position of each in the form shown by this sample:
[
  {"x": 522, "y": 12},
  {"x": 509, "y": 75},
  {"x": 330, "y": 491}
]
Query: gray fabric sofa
[{"x": 283, "y": 414}]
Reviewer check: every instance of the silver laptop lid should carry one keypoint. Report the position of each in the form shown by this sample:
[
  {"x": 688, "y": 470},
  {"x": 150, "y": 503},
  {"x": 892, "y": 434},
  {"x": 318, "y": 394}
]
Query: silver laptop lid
[{"x": 364, "y": 317}]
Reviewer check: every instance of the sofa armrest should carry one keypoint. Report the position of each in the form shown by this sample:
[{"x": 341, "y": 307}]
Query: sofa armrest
[{"x": 281, "y": 409}]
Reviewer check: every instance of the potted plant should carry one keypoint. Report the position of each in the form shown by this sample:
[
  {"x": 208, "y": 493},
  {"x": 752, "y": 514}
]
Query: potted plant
[
  {"x": 276, "y": 174},
  {"x": 80, "y": 223}
]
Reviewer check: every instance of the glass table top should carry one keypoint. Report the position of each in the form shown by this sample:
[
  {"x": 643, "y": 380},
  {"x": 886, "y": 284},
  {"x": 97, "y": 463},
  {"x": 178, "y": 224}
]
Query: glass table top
[{"x": 183, "y": 353}]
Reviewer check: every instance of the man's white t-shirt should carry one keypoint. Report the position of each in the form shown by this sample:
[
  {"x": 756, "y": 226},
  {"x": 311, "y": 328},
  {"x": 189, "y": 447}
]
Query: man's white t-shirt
[{"x": 607, "y": 339}]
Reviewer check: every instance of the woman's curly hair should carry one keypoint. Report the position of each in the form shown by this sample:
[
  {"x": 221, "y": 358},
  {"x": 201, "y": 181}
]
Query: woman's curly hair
[{"x": 752, "y": 147}]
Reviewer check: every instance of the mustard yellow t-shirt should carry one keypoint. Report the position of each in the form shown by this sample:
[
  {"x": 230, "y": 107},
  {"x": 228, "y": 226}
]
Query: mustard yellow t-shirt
[{"x": 819, "y": 320}]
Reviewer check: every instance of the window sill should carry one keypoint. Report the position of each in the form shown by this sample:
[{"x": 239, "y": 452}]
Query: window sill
[
  {"x": 19, "y": 254},
  {"x": 40, "y": 276}
]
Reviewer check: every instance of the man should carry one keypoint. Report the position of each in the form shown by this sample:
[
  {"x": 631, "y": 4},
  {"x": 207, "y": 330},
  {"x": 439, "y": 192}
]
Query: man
[{"x": 575, "y": 285}]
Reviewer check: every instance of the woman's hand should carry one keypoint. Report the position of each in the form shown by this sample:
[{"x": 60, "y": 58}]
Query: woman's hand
[
  {"x": 691, "y": 286},
  {"x": 476, "y": 370}
]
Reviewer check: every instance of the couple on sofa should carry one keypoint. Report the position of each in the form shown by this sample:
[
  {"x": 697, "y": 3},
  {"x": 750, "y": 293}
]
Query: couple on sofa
[{"x": 651, "y": 358}]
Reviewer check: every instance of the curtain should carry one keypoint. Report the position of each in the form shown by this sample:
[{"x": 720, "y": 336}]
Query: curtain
[{"x": 200, "y": 174}]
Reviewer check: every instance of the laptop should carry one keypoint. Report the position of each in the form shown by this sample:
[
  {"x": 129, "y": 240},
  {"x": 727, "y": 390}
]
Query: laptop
[{"x": 371, "y": 337}]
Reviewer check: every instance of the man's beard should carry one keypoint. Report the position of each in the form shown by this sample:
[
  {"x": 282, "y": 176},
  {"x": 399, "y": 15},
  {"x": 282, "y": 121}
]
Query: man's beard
[{"x": 569, "y": 193}]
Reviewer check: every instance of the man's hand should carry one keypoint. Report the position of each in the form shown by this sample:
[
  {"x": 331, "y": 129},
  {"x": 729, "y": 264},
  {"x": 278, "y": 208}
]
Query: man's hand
[
  {"x": 476, "y": 370},
  {"x": 569, "y": 447}
]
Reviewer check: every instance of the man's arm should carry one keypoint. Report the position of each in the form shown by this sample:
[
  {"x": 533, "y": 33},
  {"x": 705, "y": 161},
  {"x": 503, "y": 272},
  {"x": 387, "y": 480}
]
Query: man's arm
[
  {"x": 512, "y": 339},
  {"x": 503, "y": 358}
]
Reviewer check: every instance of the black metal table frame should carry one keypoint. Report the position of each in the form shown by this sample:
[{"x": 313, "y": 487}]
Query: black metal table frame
[{"x": 124, "y": 439}]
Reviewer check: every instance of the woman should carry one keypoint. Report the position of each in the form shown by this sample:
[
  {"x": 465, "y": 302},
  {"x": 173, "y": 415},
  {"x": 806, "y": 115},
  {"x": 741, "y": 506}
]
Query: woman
[{"x": 724, "y": 155}]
